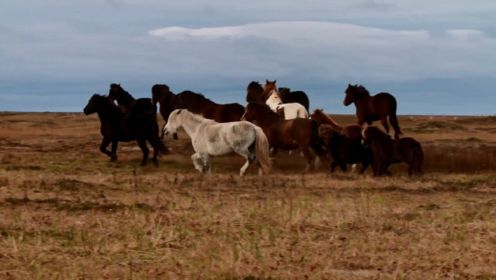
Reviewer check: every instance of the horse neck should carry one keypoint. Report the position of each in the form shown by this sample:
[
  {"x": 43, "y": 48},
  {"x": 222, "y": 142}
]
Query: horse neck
[
  {"x": 267, "y": 118},
  {"x": 109, "y": 113},
  {"x": 191, "y": 122},
  {"x": 125, "y": 99},
  {"x": 362, "y": 98}
]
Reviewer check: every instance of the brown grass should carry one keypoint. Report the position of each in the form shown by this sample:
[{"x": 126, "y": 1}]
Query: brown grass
[{"x": 66, "y": 212}]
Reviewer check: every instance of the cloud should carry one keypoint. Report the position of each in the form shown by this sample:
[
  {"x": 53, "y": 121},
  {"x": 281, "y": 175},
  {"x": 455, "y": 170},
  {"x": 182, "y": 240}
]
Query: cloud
[{"x": 336, "y": 51}]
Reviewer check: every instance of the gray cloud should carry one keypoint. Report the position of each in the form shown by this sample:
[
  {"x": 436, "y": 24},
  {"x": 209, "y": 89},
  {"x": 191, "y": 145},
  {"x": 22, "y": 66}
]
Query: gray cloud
[{"x": 57, "y": 48}]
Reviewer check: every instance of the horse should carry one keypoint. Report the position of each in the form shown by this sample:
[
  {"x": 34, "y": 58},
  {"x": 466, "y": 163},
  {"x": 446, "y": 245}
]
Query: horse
[
  {"x": 199, "y": 104},
  {"x": 268, "y": 87},
  {"x": 162, "y": 95},
  {"x": 210, "y": 138},
  {"x": 116, "y": 127},
  {"x": 343, "y": 149},
  {"x": 349, "y": 131},
  {"x": 124, "y": 99},
  {"x": 255, "y": 93},
  {"x": 284, "y": 134},
  {"x": 386, "y": 150},
  {"x": 288, "y": 96},
  {"x": 373, "y": 108},
  {"x": 288, "y": 110}
]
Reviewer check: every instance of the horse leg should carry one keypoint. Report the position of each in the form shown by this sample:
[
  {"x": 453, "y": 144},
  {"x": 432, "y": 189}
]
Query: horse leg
[
  {"x": 156, "y": 150},
  {"x": 310, "y": 159},
  {"x": 145, "y": 150},
  {"x": 113, "y": 156},
  {"x": 385, "y": 124},
  {"x": 197, "y": 162},
  {"x": 343, "y": 167},
  {"x": 334, "y": 164},
  {"x": 206, "y": 163},
  {"x": 104, "y": 145}
]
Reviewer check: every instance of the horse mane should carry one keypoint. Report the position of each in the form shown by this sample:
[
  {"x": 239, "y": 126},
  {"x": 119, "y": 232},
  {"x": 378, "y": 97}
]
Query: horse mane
[
  {"x": 319, "y": 116},
  {"x": 122, "y": 91},
  {"x": 255, "y": 85},
  {"x": 264, "y": 108},
  {"x": 195, "y": 117},
  {"x": 361, "y": 90}
]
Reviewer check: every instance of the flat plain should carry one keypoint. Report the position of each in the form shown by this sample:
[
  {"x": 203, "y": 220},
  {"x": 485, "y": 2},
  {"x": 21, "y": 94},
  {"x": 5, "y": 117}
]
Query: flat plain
[{"x": 66, "y": 212}]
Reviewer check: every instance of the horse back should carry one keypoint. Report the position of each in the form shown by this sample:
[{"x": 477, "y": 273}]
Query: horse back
[
  {"x": 381, "y": 103},
  {"x": 296, "y": 97}
]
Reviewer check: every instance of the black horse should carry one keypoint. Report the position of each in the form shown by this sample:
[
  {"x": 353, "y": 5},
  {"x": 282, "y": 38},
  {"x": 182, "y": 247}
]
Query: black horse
[{"x": 117, "y": 126}]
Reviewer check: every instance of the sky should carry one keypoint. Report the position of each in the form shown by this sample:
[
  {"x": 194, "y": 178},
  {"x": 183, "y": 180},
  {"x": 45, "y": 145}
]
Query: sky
[{"x": 435, "y": 57}]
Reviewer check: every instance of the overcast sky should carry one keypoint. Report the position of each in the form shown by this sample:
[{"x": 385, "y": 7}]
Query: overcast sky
[{"x": 436, "y": 57}]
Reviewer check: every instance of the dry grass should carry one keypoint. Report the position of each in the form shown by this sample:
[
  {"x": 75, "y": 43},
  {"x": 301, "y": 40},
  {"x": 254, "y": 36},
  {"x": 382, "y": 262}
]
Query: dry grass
[{"x": 66, "y": 213}]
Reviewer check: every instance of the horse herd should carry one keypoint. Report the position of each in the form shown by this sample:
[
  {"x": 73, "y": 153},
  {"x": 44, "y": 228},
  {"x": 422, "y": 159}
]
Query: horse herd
[{"x": 274, "y": 119}]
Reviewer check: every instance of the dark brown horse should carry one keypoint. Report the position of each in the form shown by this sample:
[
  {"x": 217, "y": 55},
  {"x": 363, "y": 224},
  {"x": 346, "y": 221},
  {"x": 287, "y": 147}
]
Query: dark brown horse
[
  {"x": 116, "y": 127},
  {"x": 373, "y": 108},
  {"x": 344, "y": 150},
  {"x": 199, "y": 104},
  {"x": 255, "y": 93},
  {"x": 288, "y": 96},
  {"x": 286, "y": 134},
  {"x": 386, "y": 150},
  {"x": 167, "y": 99}
]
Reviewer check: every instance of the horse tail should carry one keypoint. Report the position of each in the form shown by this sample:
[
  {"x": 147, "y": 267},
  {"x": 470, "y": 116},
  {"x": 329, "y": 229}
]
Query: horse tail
[
  {"x": 262, "y": 149},
  {"x": 315, "y": 141},
  {"x": 393, "y": 119}
]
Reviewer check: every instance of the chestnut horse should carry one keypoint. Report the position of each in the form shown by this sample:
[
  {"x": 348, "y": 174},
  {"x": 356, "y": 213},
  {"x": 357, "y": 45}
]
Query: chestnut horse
[
  {"x": 195, "y": 103},
  {"x": 286, "y": 134},
  {"x": 385, "y": 151},
  {"x": 115, "y": 127},
  {"x": 373, "y": 108}
]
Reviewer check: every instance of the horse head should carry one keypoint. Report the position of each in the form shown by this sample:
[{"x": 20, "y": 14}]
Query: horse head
[
  {"x": 254, "y": 92},
  {"x": 160, "y": 91},
  {"x": 95, "y": 104},
  {"x": 273, "y": 100},
  {"x": 268, "y": 87},
  {"x": 170, "y": 128}
]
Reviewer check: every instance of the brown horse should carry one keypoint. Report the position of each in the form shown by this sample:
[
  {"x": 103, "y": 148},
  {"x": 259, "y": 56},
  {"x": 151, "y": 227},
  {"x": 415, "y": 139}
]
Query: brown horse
[
  {"x": 385, "y": 151},
  {"x": 255, "y": 93},
  {"x": 373, "y": 108},
  {"x": 344, "y": 150},
  {"x": 116, "y": 127},
  {"x": 286, "y": 134},
  {"x": 199, "y": 104}
]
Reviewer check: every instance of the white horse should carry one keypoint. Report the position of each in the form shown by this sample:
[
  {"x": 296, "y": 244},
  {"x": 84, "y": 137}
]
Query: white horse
[
  {"x": 210, "y": 138},
  {"x": 290, "y": 110}
]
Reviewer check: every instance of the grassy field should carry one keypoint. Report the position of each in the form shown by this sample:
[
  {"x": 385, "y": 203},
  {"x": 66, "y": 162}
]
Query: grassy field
[{"x": 68, "y": 213}]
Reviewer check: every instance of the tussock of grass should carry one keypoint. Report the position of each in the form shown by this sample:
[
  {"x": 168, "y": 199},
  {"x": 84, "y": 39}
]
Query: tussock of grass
[{"x": 79, "y": 216}]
